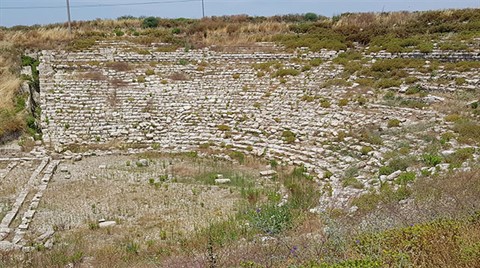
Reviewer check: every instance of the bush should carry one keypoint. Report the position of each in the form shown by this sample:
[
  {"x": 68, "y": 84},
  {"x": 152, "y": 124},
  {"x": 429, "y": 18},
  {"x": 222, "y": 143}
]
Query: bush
[
  {"x": 385, "y": 170},
  {"x": 372, "y": 137},
  {"x": 468, "y": 131},
  {"x": 118, "y": 32},
  {"x": 405, "y": 177},
  {"x": 431, "y": 159},
  {"x": 311, "y": 16},
  {"x": 288, "y": 136},
  {"x": 316, "y": 62},
  {"x": 270, "y": 218},
  {"x": 401, "y": 163},
  {"x": 413, "y": 90},
  {"x": 223, "y": 128},
  {"x": 149, "y": 72},
  {"x": 325, "y": 104},
  {"x": 239, "y": 156},
  {"x": 286, "y": 72},
  {"x": 366, "y": 149},
  {"x": 343, "y": 102},
  {"x": 393, "y": 123},
  {"x": 388, "y": 83},
  {"x": 353, "y": 182},
  {"x": 150, "y": 22},
  {"x": 461, "y": 155}
]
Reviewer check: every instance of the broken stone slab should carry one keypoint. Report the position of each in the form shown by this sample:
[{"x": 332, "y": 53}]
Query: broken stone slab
[
  {"x": 5, "y": 245},
  {"x": 222, "y": 181},
  {"x": 142, "y": 163},
  {"x": 45, "y": 235},
  {"x": 63, "y": 169},
  {"x": 49, "y": 244},
  {"x": 77, "y": 158},
  {"x": 29, "y": 214},
  {"x": 394, "y": 175},
  {"x": 106, "y": 224},
  {"x": 268, "y": 173},
  {"x": 23, "y": 226},
  {"x": 4, "y": 231}
]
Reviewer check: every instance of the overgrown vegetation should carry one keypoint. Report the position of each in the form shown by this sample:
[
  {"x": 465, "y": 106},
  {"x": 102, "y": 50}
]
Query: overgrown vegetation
[{"x": 441, "y": 229}]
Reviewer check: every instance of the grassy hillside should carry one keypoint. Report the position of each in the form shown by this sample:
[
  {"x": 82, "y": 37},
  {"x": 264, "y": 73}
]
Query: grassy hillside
[
  {"x": 393, "y": 32},
  {"x": 433, "y": 222}
]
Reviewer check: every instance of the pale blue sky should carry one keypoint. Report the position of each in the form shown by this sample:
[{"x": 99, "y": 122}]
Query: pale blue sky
[{"x": 192, "y": 8}]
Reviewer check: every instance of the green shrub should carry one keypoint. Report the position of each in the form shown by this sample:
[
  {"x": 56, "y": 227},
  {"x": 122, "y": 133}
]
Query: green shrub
[
  {"x": 149, "y": 72},
  {"x": 343, "y": 102},
  {"x": 325, "y": 103},
  {"x": 288, "y": 136},
  {"x": 366, "y": 149},
  {"x": 316, "y": 62},
  {"x": 353, "y": 182},
  {"x": 286, "y": 72},
  {"x": 405, "y": 177},
  {"x": 401, "y": 163},
  {"x": 366, "y": 82},
  {"x": 372, "y": 137},
  {"x": 308, "y": 98},
  {"x": 310, "y": 16},
  {"x": 183, "y": 62},
  {"x": 239, "y": 156},
  {"x": 460, "y": 81},
  {"x": 431, "y": 159},
  {"x": 388, "y": 83},
  {"x": 468, "y": 131},
  {"x": 413, "y": 90},
  {"x": 385, "y": 170},
  {"x": 410, "y": 80},
  {"x": 426, "y": 47},
  {"x": 393, "y": 123},
  {"x": 273, "y": 163},
  {"x": 223, "y": 128},
  {"x": 460, "y": 156},
  {"x": 270, "y": 218},
  {"x": 336, "y": 82},
  {"x": 150, "y": 22},
  {"x": 118, "y": 32}
]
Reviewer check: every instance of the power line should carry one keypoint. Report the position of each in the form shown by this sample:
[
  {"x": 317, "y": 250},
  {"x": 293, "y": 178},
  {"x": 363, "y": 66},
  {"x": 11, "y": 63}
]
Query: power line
[{"x": 103, "y": 5}]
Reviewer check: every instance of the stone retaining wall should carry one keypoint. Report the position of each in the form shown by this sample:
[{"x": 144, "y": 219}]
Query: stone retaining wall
[{"x": 204, "y": 97}]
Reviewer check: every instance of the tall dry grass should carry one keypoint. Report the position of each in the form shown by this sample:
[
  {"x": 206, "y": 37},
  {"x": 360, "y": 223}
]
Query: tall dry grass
[
  {"x": 9, "y": 85},
  {"x": 41, "y": 38}
]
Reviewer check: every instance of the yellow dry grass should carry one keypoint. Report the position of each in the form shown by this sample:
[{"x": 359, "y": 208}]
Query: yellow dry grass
[
  {"x": 9, "y": 85},
  {"x": 38, "y": 38},
  {"x": 244, "y": 34},
  {"x": 368, "y": 19}
]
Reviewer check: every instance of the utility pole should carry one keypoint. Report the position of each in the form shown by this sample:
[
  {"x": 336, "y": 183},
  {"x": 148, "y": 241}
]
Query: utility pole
[
  {"x": 203, "y": 9},
  {"x": 69, "y": 19}
]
